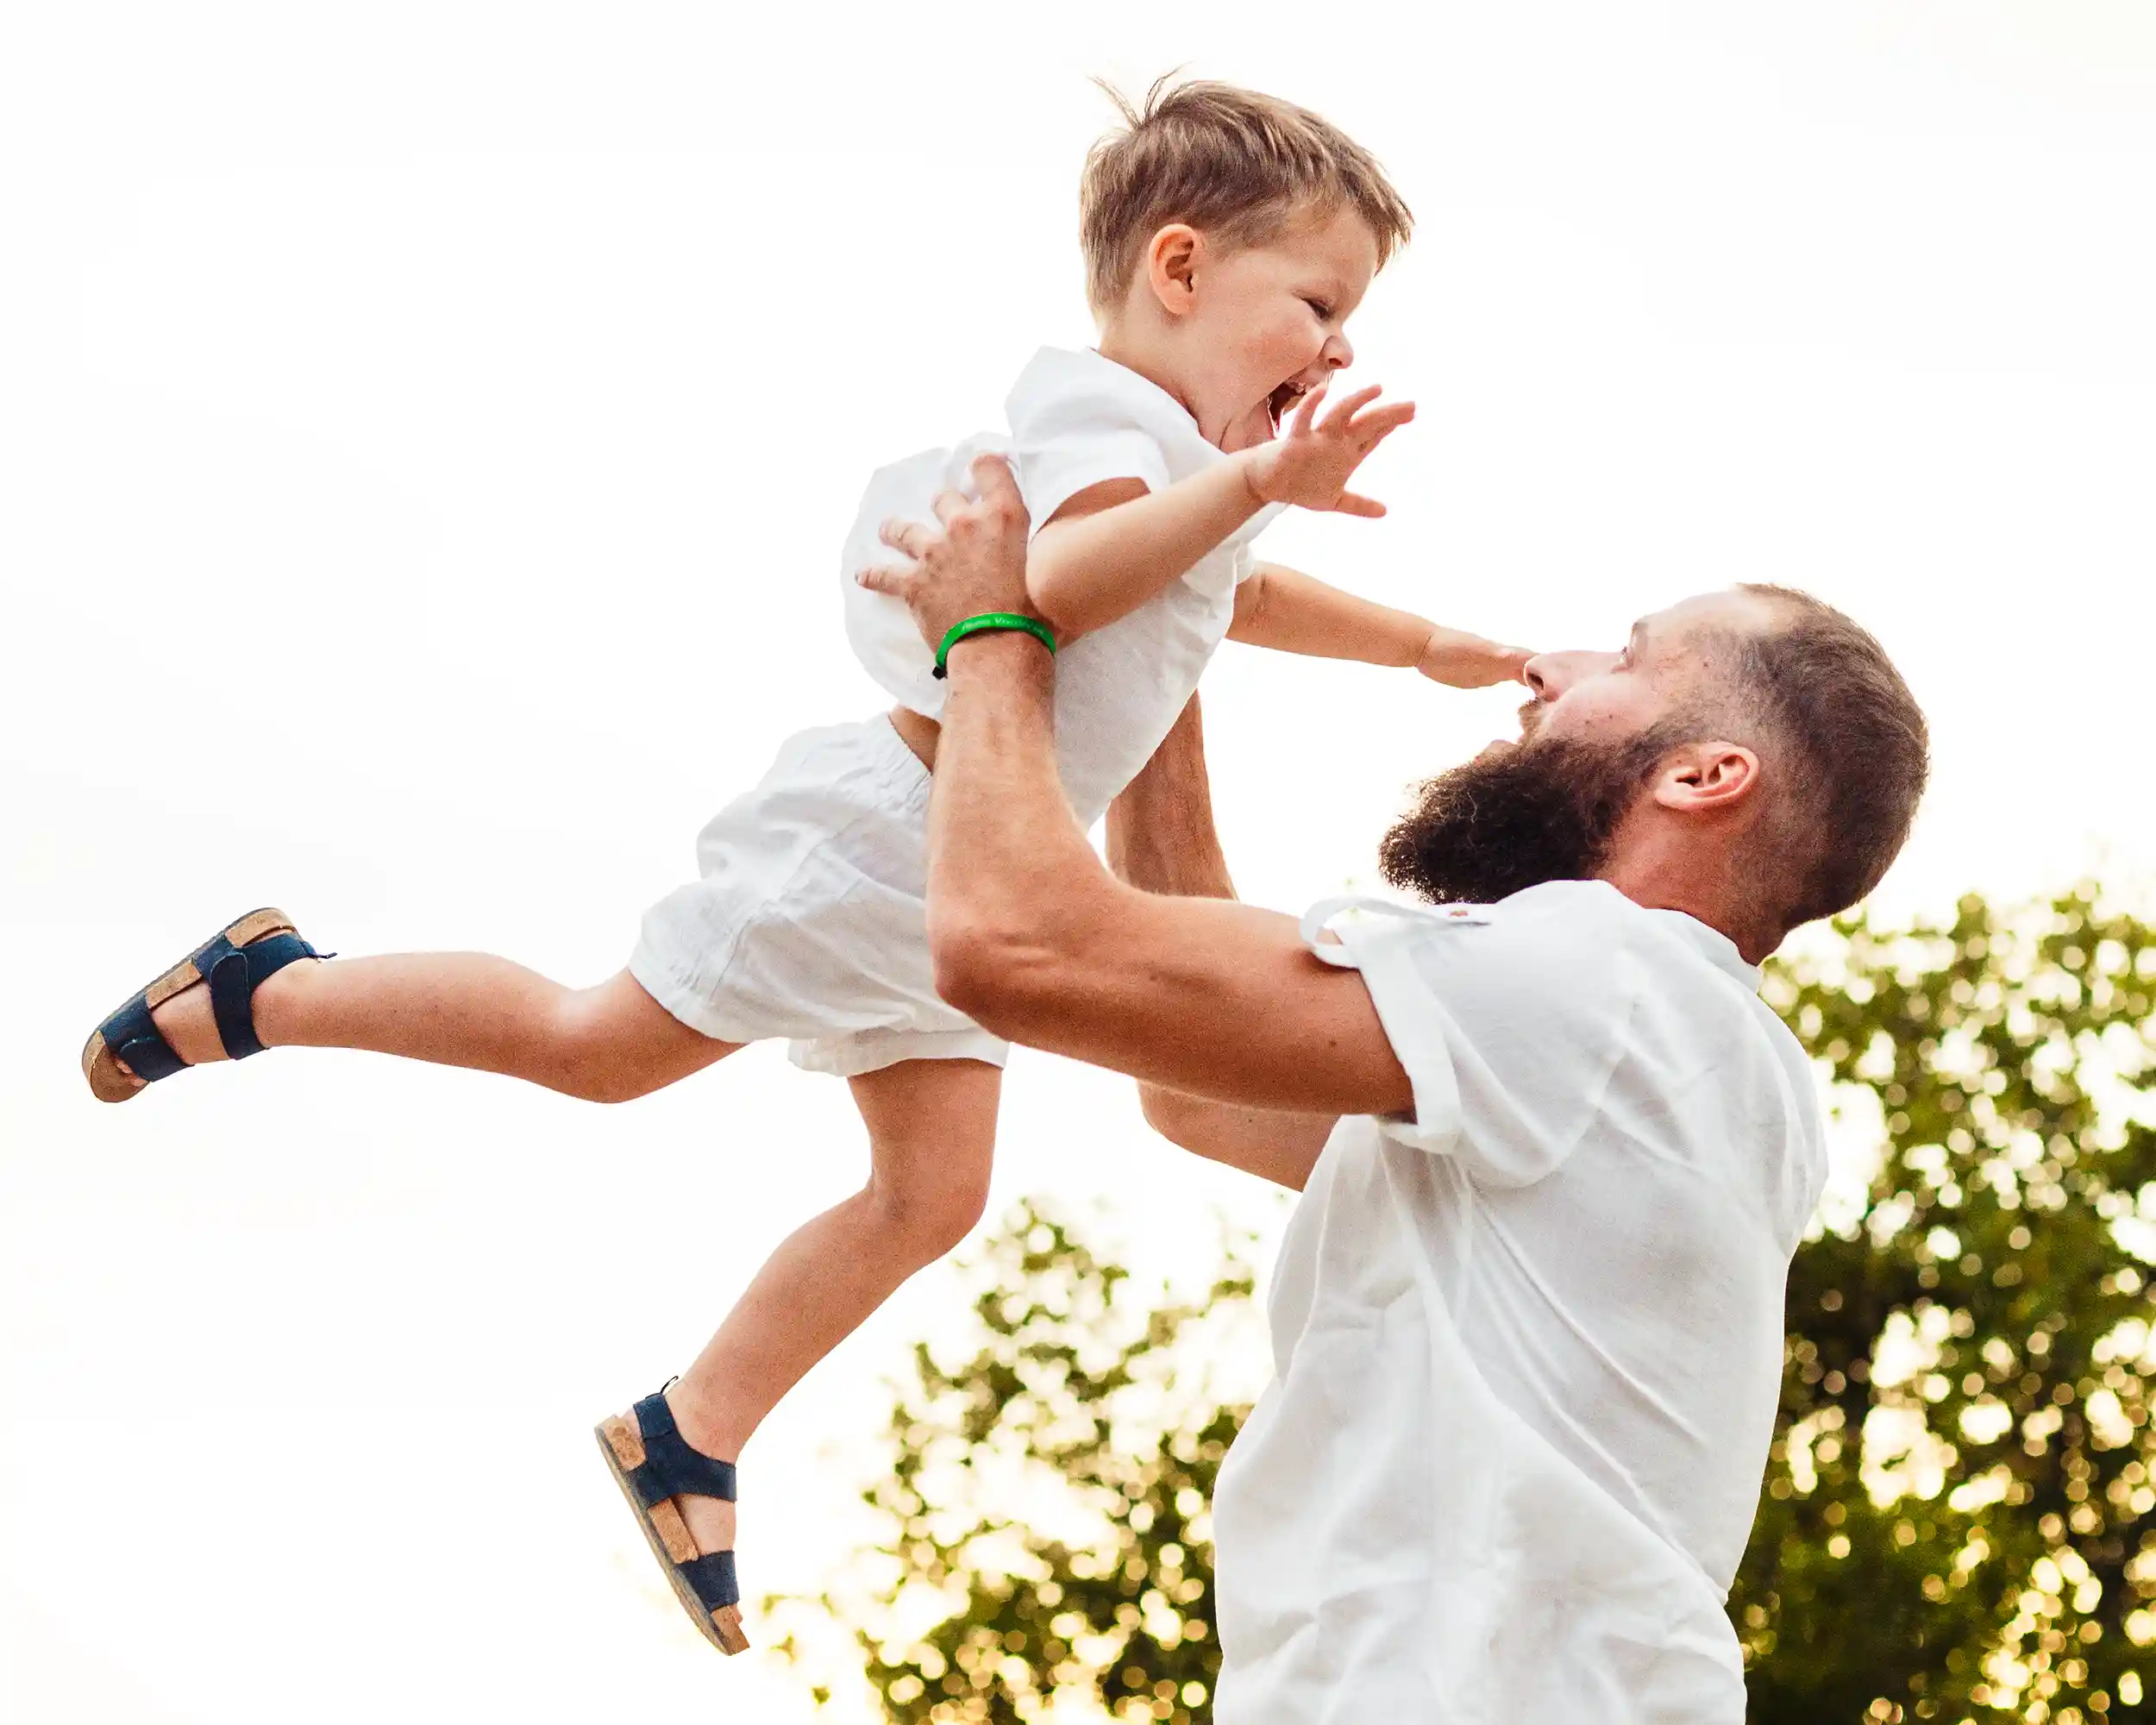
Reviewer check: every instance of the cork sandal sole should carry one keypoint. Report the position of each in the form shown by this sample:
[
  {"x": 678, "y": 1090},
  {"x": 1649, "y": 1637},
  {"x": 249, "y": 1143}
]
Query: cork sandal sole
[
  {"x": 110, "y": 1081},
  {"x": 622, "y": 1446}
]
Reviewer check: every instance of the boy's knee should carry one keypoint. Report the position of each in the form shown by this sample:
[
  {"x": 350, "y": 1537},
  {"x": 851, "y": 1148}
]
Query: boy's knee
[
  {"x": 593, "y": 1061},
  {"x": 600, "y": 1084},
  {"x": 931, "y": 1223}
]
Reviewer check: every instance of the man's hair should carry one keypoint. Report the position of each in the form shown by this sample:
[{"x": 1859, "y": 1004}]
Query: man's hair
[
  {"x": 1231, "y": 163},
  {"x": 1843, "y": 726}
]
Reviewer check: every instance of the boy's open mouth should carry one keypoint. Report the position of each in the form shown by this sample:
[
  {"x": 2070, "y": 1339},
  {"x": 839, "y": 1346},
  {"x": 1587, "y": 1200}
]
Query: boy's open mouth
[{"x": 1282, "y": 402}]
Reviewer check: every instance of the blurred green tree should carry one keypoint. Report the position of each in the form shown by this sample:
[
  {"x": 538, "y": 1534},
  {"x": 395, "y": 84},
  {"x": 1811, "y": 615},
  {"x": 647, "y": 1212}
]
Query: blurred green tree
[
  {"x": 1046, "y": 1513},
  {"x": 1959, "y": 1516},
  {"x": 1960, "y": 1521}
]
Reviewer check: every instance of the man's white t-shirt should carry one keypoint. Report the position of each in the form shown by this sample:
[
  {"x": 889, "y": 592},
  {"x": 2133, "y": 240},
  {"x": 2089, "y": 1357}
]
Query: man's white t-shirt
[
  {"x": 1527, "y": 1346},
  {"x": 1076, "y": 420}
]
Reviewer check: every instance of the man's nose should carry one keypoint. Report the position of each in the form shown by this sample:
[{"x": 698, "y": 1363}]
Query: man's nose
[{"x": 1550, "y": 674}]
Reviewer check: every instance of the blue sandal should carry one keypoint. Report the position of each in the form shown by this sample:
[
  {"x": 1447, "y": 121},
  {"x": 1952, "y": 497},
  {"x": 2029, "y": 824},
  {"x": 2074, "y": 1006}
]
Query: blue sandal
[
  {"x": 235, "y": 964},
  {"x": 653, "y": 1463}
]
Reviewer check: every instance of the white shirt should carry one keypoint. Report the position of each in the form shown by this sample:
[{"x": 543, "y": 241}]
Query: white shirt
[
  {"x": 1076, "y": 420},
  {"x": 1528, "y": 1345}
]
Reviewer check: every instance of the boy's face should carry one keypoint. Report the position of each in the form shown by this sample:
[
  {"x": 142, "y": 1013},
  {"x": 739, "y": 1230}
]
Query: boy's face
[{"x": 1264, "y": 324}]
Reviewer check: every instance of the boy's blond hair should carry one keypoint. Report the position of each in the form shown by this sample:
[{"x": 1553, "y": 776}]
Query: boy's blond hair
[{"x": 1231, "y": 163}]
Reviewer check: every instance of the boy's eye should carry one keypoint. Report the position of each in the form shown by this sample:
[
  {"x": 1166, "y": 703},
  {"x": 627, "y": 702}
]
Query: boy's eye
[{"x": 1323, "y": 309}]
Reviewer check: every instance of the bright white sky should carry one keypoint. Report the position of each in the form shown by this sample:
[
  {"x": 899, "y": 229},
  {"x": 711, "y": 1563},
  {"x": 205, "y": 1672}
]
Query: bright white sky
[{"x": 426, "y": 434}]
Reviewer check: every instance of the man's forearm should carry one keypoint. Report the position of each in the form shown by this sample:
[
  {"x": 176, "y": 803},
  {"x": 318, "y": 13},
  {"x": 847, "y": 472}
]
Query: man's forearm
[
  {"x": 1005, "y": 854},
  {"x": 1162, "y": 839},
  {"x": 1036, "y": 940},
  {"x": 1161, "y": 836}
]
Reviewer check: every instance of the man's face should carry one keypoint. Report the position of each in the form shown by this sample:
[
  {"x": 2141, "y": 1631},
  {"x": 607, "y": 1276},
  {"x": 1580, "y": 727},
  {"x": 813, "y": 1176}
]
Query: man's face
[
  {"x": 1600, "y": 697},
  {"x": 1593, "y": 739}
]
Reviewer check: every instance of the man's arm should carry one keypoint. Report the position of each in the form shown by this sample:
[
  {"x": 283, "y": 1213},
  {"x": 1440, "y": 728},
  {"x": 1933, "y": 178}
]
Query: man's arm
[
  {"x": 1161, "y": 839},
  {"x": 1291, "y": 612},
  {"x": 1034, "y": 938}
]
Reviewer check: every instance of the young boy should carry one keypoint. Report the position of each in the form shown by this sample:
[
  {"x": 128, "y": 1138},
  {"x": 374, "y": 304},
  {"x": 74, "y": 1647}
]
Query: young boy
[{"x": 1228, "y": 238}]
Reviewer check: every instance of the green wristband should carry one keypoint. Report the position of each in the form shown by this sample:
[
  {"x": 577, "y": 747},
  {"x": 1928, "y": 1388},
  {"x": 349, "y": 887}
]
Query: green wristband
[{"x": 988, "y": 621}]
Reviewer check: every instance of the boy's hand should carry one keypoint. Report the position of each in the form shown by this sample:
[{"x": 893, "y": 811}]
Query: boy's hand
[
  {"x": 1468, "y": 661},
  {"x": 976, "y": 564},
  {"x": 1310, "y": 463}
]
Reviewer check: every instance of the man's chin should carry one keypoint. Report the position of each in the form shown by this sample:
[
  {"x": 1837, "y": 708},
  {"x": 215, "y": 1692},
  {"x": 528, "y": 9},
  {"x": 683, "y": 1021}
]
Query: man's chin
[{"x": 1515, "y": 816}]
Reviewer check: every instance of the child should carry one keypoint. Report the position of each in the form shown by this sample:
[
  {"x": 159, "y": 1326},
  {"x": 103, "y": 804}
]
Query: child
[{"x": 1228, "y": 238}]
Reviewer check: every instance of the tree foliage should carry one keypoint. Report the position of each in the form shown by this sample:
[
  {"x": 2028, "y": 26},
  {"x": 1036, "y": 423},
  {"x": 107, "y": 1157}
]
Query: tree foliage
[
  {"x": 1960, "y": 1521},
  {"x": 1959, "y": 1515},
  {"x": 1046, "y": 1513}
]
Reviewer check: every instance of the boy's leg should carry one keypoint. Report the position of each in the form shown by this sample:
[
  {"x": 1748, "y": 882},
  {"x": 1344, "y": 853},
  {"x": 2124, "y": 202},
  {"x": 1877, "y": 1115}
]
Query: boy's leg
[
  {"x": 931, "y": 1138},
  {"x": 607, "y": 1043}
]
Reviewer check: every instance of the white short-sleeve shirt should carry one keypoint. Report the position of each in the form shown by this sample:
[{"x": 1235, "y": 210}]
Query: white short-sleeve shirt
[
  {"x": 1076, "y": 420},
  {"x": 1528, "y": 1345}
]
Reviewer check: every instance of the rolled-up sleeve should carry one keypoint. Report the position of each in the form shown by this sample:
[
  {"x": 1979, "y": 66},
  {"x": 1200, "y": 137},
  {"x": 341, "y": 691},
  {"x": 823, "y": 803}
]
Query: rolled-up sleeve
[
  {"x": 1076, "y": 424},
  {"x": 1051, "y": 473},
  {"x": 1509, "y": 1020}
]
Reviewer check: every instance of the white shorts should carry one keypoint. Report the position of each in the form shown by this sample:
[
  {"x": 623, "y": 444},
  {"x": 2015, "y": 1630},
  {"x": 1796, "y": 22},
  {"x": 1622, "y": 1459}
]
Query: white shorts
[{"x": 810, "y": 920}]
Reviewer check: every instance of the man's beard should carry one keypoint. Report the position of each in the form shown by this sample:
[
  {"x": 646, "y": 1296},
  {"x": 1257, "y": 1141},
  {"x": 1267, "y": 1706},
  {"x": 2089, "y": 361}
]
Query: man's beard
[{"x": 1514, "y": 817}]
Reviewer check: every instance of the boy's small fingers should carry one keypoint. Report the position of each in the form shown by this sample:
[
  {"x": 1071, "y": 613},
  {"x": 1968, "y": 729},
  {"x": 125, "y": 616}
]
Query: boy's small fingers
[
  {"x": 1389, "y": 418},
  {"x": 1306, "y": 412},
  {"x": 1374, "y": 427},
  {"x": 1344, "y": 415},
  {"x": 1354, "y": 503}
]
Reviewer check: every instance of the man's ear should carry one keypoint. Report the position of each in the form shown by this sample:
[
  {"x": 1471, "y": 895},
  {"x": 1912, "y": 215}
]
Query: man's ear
[
  {"x": 1705, "y": 778},
  {"x": 1171, "y": 267}
]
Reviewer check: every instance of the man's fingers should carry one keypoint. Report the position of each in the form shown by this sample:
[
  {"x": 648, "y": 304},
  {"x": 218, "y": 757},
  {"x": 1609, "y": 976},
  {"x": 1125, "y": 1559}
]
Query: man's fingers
[
  {"x": 997, "y": 485},
  {"x": 896, "y": 582},
  {"x": 909, "y": 536},
  {"x": 948, "y": 504},
  {"x": 1354, "y": 503}
]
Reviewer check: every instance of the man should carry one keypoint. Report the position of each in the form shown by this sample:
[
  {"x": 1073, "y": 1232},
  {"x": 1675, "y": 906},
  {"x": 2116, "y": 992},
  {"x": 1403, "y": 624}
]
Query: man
[{"x": 1555, "y": 1153}]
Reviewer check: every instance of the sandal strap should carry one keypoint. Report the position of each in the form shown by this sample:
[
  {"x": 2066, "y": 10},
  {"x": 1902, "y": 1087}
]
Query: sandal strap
[
  {"x": 234, "y": 973},
  {"x": 712, "y": 1577},
  {"x": 671, "y": 1468},
  {"x": 133, "y": 1036}
]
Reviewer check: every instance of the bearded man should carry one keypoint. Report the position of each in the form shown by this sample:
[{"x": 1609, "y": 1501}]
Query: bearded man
[{"x": 1555, "y": 1153}]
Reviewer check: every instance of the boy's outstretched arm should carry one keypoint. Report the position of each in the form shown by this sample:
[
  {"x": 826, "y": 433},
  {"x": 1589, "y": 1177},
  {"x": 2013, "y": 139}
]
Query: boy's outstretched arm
[
  {"x": 1114, "y": 545},
  {"x": 1291, "y": 612}
]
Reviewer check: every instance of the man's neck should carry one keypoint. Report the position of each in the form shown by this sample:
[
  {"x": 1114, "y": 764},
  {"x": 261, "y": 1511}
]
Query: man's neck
[{"x": 1700, "y": 892}]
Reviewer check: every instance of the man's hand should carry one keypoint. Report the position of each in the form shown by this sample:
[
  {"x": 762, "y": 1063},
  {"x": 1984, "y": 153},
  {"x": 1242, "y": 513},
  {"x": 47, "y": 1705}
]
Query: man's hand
[
  {"x": 975, "y": 564},
  {"x": 1460, "y": 661},
  {"x": 1310, "y": 463}
]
